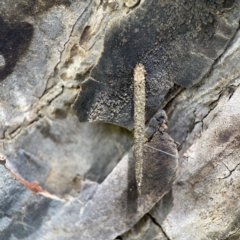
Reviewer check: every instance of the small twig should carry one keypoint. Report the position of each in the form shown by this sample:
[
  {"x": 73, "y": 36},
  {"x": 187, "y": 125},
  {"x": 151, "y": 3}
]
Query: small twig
[{"x": 139, "y": 121}]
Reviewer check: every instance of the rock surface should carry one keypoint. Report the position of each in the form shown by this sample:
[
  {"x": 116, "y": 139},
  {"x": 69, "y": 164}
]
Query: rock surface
[{"x": 51, "y": 50}]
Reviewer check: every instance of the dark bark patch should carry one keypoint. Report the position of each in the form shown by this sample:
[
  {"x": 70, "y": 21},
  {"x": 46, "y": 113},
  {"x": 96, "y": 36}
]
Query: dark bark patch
[
  {"x": 177, "y": 42},
  {"x": 228, "y": 3},
  {"x": 224, "y": 136},
  {"x": 85, "y": 35},
  {"x": 15, "y": 33},
  {"x": 14, "y": 42}
]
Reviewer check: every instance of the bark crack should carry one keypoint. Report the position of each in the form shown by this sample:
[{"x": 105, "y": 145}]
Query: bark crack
[
  {"x": 230, "y": 171},
  {"x": 211, "y": 69},
  {"x": 232, "y": 234},
  {"x": 232, "y": 89},
  {"x": 34, "y": 114},
  {"x": 212, "y": 105},
  {"x": 64, "y": 45},
  {"x": 49, "y": 93},
  {"x": 216, "y": 61},
  {"x": 157, "y": 224}
]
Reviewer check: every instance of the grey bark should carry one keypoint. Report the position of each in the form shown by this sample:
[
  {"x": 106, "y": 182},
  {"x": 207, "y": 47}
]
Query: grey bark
[{"x": 65, "y": 61}]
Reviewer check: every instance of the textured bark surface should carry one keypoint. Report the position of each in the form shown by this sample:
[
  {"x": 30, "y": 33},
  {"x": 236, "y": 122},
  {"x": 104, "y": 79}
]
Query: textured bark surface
[{"x": 64, "y": 57}]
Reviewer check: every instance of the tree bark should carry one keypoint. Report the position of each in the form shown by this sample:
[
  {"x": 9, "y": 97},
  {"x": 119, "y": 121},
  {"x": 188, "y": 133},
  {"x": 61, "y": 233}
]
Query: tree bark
[{"x": 66, "y": 119}]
